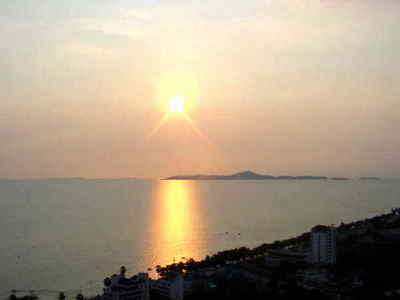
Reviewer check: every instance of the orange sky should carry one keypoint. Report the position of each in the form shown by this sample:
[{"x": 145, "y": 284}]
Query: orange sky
[{"x": 279, "y": 87}]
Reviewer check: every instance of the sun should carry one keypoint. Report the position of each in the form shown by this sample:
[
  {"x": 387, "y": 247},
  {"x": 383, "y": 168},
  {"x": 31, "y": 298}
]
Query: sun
[{"x": 177, "y": 104}]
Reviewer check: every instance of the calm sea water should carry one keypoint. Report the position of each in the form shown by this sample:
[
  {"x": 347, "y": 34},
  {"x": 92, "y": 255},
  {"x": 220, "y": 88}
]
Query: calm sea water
[{"x": 69, "y": 235}]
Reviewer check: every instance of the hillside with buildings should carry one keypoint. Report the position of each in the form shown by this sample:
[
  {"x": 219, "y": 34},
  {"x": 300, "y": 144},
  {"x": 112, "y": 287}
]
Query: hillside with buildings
[{"x": 358, "y": 260}]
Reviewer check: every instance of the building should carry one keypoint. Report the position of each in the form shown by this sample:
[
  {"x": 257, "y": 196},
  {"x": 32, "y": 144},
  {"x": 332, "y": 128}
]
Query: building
[
  {"x": 119, "y": 287},
  {"x": 313, "y": 277},
  {"x": 169, "y": 288},
  {"x": 274, "y": 258},
  {"x": 323, "y": 245}
]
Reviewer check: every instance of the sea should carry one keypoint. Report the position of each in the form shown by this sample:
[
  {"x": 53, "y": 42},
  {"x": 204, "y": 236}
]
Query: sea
[{"x": 69, "y": 234}]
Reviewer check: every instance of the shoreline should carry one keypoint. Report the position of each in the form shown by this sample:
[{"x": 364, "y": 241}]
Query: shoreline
[
  {"x": 300, "y": 241},
  {"x": 378, "y": 230}
]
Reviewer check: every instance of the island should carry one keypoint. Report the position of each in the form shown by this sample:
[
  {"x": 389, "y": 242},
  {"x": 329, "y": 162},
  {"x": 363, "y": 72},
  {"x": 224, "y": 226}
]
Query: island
[
  {"x": 369, "y": 178},
  {"x": 246, "y": 175},
  {"x": 339, "y": 178}
]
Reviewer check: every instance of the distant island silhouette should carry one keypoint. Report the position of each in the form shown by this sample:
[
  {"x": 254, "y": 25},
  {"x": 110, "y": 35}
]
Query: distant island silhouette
[
  {"x": 249, "y": 175},
  {"x": 369, "y": 178},
  {"x": 67, "y": 179}
]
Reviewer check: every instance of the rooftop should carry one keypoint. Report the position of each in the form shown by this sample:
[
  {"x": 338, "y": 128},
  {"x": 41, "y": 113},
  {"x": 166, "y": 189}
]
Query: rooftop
[{"x": 321, "y": 228}]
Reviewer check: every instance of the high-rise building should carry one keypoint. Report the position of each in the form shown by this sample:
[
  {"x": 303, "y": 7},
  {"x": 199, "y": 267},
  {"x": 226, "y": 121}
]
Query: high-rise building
[
  {"x": 323, "y": 245},
  {"x": 119, "y": 287},
  {"x": 169, "y": 288}
]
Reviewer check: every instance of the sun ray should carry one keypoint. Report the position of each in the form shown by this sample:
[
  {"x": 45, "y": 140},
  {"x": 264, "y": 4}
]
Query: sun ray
[
  {"x": 159, "y": 125},
  {"x": 195, "y": 128}
]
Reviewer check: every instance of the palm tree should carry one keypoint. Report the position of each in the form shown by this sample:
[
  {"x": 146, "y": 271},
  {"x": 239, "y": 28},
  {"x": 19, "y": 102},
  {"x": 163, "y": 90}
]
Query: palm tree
[
  {"x": 61, "y": 296},
  {"x": 80, "y": 297},
  {"x": 107, "y": 281},
  {"x": 123, "y": 271},
  {"x": 13, "y": 297}
]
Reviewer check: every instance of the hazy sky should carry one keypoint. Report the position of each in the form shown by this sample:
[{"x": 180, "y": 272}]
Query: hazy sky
[{"x": 277, "y": 86}]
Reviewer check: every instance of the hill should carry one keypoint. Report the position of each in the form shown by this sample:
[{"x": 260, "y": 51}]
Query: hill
[{"x": 246, "y": 175}]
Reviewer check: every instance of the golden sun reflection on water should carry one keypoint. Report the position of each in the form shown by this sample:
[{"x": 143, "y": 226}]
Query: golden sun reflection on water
[{"x": 176, "y": 222}]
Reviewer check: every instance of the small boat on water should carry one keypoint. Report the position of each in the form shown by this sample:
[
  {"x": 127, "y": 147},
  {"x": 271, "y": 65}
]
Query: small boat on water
[{"x": 26, "y": 297}]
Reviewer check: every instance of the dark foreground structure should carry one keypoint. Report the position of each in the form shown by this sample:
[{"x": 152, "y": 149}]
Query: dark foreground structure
[
  {"x": 364, "y": 265},
  {"x": 354, "y": 261}
]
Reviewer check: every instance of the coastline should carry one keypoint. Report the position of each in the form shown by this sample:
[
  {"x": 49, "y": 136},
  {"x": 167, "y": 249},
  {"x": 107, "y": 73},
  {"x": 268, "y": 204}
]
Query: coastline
[
  {"x": 358, "y": 242},
  {"x": 297, "y": 243}
]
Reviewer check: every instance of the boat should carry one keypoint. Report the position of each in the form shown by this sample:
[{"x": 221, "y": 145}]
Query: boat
[{"x": 31, "y": 296}]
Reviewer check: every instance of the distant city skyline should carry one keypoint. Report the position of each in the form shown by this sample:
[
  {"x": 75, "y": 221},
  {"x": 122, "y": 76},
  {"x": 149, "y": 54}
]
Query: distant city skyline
[{"x": 283, "y": 87}]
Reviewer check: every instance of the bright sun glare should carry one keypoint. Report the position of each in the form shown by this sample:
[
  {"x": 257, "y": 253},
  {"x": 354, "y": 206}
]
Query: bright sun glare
[{"x": 177, "y": 104}]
